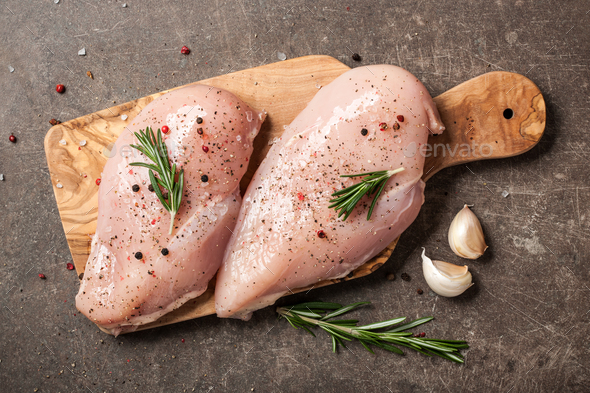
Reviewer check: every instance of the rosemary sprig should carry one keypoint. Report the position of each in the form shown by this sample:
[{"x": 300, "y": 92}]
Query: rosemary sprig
[
  {"x": 312, "y": 314},
  {"x": 348, "y": 197},
  {"x": 155, "y": 149}
]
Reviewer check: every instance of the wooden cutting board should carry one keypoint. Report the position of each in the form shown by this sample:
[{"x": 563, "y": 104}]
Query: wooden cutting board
[{"x": 496, "y": 115}]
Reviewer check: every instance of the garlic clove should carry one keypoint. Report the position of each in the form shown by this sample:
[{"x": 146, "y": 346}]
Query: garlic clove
[
  {"x": 445, "y": 278},
  {"x": 466, "y": 235}
]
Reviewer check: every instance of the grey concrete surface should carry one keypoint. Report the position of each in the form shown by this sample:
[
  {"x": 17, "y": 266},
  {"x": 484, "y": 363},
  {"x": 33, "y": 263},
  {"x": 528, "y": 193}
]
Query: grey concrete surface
[{"x": 526, "y": 318}]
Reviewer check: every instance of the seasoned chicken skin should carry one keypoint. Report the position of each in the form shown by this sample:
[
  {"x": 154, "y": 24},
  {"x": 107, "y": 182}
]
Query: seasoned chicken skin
[
  {"x": 136, "y": 271},
  {"x": 368, "y": 119}
]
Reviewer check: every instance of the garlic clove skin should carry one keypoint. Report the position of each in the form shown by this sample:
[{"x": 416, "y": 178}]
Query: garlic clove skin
[
  {"x": 466, "y": 235},
  {"x": 444, "y": 278}
]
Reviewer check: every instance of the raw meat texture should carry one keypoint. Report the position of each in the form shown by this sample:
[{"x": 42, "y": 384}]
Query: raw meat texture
[
  {"x": 120, "y": 292},
  {"x": 275, "y": 247}
]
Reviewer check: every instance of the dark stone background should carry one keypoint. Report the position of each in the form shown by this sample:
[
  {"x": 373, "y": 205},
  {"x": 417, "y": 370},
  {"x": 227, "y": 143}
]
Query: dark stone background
[{"x": 527, "y": 316}]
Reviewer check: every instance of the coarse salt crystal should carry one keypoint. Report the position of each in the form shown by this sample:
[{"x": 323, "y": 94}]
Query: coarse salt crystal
[
  {"x": 83, "y": 143},
  {"x": 281, "y": 56},
  {"x": 124, "y": 117},
  {"x": 10, "y": 68},
  {"x": 59, "y": 185},
  {"x": 1, "y": 177},
  {"x": 63, "y": 142},
  {"x": 82, "y": 52},
  {"x": 505, "y": 193}
]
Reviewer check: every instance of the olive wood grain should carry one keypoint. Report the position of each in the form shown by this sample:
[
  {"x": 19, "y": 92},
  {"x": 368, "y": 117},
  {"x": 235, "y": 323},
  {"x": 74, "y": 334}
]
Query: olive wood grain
[{"x": 472, "y": 113}]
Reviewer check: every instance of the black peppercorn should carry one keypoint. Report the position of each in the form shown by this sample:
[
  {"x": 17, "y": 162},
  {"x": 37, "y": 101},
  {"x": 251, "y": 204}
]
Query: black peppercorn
[
  {"x": 204, "y": 178},
  {"x": 138, "y": 255},
  {"x": 151, "y": 188},
  {"x": 200, "y": 131},
  {"x": 165, "y": 195},
  {"x": 164, "y": 251},
  {"x": 364, "y": 132},
  {"x": 135, "y": 188},
  {"x": 356, "y": 57},
  {"x": 199, "y": 120}
]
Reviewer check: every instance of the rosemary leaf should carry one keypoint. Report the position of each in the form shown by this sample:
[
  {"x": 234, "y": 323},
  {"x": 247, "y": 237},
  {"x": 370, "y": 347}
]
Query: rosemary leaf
[
  {"x": 154, "y": 148},
  {"x": 369, "y": 335},
  {"x": 347, "y": 198}
]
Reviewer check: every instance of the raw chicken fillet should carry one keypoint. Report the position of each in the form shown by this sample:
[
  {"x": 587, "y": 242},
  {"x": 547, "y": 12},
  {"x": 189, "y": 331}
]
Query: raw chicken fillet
[
  {"x": 128, "y": 280},
  {"x": 368, "y": 119}
]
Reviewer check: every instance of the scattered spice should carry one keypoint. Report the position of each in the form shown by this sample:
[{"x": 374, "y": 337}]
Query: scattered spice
[
  {"x": 165, "y": 129},
  {"x": 151, "y": 188},
  {"x": 364, "y": 132},
  {"x": 135, "y": 188},
  {"x": 138, "y": 255},
  {"x": 390, "y": 277},
  {"x": 182, "y": 340},
  {"x": 383, "y": 126},
  {"x": 97, "y": 181},
  {"x": 42, "y": 276},
  {"x": 60, "y": 89},
  {"x": 300, "y": 196},
  {"x": 12, "y": 138},
  {"x": 419, "y": 291},
  {"x": 356, "y": 57},
  {"x": 205, "y": 148},
  {"x": 54, "y": 122},
  {"x": 204, "y": 178},
  {"x": 185, "y": 50},
  {"x": 81, "y": 276},
  {"x": 165, "y": 195},
  {"x": 400, "y": 118},
  {"x": 165, "y": 251},
  {"x": 406, "y": 277},
  {"x": 396, "y": 126},
  {"x": 199, "y": 120},
  {"x": 90, "y": 74},
  {"x": 321, "y": 234},
  {"x": 200, "y": 131},
  {"x": 69, "y": 266}
]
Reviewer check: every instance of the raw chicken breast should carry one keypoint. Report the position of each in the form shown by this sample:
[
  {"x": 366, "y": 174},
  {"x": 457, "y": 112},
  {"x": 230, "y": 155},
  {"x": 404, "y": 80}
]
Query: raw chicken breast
[
  {"x": 122, "y": 289},
  {"x": 286, "y": 236}
]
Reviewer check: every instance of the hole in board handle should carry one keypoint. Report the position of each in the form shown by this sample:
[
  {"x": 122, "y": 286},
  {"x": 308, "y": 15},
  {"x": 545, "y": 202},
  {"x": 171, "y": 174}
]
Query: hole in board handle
[{"x": 508, "y": 113}]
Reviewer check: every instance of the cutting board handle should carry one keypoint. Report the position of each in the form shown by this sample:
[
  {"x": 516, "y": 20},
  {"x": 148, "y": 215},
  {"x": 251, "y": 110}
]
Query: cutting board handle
[{"x": 495, "y": 115}]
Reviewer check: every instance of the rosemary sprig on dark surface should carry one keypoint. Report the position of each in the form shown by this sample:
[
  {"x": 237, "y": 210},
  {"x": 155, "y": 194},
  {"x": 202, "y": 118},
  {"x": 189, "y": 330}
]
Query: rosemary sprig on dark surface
[
  {"x": 379, "y": 334},
  {"x": 154, "y": 148},
  {"x": 348, "y": 197}
]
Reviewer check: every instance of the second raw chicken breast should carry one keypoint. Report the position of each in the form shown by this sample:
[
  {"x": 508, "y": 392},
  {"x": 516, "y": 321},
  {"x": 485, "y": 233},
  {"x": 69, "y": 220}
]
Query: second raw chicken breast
[{"x": 368, "y": 119}]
